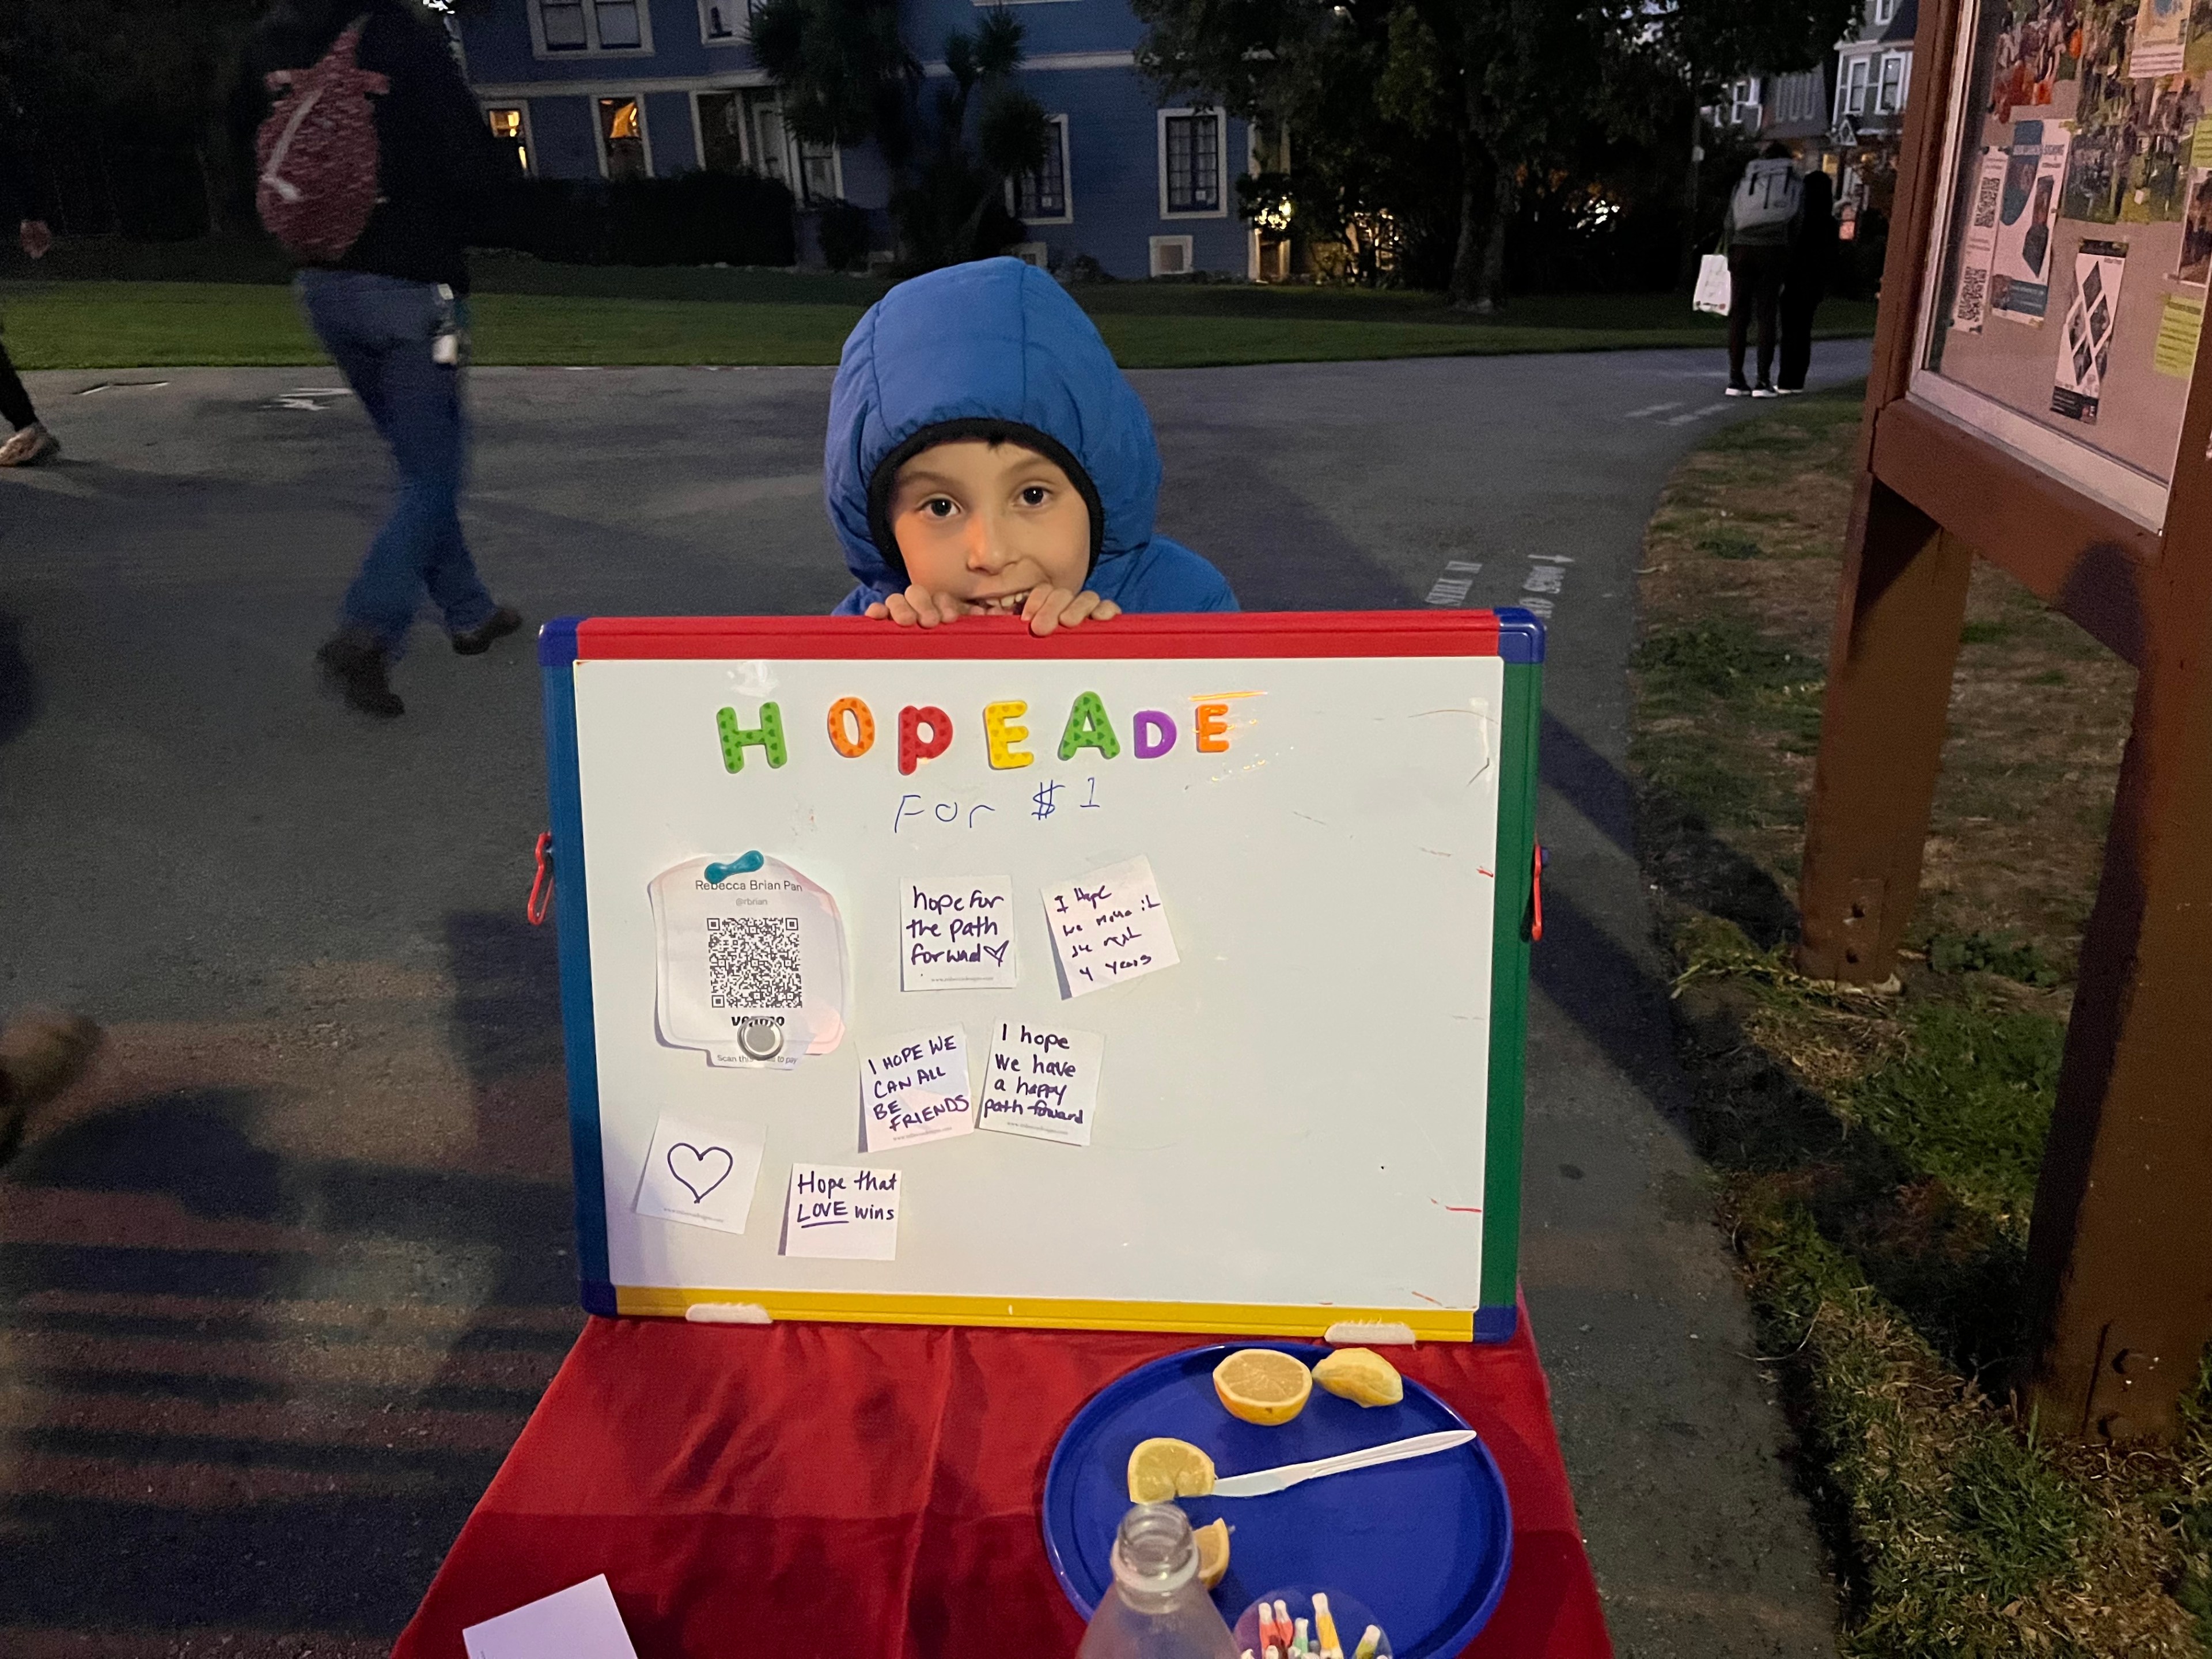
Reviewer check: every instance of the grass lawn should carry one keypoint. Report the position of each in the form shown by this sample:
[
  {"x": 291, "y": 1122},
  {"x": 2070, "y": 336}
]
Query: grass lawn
[
  {"x": 1876, "y": 1155},
  {"x": 118, "y": 306}
]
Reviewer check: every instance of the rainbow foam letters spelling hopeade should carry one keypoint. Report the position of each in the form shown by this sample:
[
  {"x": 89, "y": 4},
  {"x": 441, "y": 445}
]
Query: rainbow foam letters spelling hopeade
[{"x": 925, "y": 732}]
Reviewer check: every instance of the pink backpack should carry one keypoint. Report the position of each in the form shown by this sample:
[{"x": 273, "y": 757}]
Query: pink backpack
[{"x": 316, "y": 152}]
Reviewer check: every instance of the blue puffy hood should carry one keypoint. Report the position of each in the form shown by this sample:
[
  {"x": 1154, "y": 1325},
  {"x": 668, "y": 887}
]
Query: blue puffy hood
[{"x": 998, "y": 340}]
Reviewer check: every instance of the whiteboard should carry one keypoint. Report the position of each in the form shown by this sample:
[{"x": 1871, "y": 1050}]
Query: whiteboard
[{"x": 1294, "y": 1122}]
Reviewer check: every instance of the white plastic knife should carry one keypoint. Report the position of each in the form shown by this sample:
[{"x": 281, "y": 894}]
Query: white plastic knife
[{"x": 1265, "y": 1481}]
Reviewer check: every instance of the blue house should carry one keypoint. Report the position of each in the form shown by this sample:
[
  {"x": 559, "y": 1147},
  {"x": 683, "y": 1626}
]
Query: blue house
[{"x": 636, "y": 88}]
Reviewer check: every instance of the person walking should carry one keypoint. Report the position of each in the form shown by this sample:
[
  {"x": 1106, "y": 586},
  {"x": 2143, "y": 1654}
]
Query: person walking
[
  {"x": 28, "y": 443},
  {"x": 1805, "y": 283},
  {"x": 375, "y": 169},
  {"x": 1762, "y": 223}
]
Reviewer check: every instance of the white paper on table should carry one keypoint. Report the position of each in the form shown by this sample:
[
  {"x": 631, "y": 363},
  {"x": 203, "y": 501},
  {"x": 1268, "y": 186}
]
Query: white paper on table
[
  {"x": 1109, "y": 926},
  {"x": 844, "y": 1211},
  {"x": 701, "y": 1174},
  {"x": 1042, "y": 1081},
  {"x": 956, "y": 935},
  {"x": 580, "y": 1622},
  {"x": 914, "y": 1087},
  {"x": 762, "y": 943}
]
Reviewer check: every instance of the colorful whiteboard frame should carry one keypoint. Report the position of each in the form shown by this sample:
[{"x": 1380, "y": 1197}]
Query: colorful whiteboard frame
[{"x": 1513, "y": 635}]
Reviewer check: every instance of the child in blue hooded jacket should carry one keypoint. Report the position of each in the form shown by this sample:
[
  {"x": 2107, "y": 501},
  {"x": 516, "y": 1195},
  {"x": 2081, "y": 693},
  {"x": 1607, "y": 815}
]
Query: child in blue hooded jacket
[{"x": 986, "y": 456}]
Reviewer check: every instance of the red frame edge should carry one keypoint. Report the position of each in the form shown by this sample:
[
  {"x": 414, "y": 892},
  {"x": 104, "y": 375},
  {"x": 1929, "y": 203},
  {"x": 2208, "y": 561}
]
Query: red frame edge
[{"x": 1272, "y": 633}]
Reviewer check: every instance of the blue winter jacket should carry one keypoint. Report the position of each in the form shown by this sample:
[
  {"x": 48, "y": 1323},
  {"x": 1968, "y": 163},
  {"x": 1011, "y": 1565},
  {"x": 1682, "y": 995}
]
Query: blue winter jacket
[{"x": 998, "y": 340}]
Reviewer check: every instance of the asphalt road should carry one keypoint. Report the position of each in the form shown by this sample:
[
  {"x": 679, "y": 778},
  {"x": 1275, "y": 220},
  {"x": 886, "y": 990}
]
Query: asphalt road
[{"x": 279, "y": 1288}]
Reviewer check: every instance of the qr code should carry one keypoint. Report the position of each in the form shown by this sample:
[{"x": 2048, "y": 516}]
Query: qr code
[
  {"x": 1971, "y": 290},
  {"x": 752, "y": 962}
]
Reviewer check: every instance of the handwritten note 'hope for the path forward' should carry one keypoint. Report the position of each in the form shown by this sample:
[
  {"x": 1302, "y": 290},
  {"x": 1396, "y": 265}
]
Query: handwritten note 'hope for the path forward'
[
  {"x": 848, "y": 1212},
  {"x": 956, "y": 935},
  {"x": 1042, "y": 1081},
  {"x": 913, "y": 1088},
  {"x": 1109, "y": 926},
  {"x": 701, "y": 1174}
]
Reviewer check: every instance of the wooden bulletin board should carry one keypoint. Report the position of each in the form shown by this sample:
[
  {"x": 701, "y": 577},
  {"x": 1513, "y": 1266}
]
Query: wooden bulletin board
[{"x": 1313, "y": 1116}]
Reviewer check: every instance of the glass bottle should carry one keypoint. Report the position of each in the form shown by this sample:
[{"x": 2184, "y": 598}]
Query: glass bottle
[{"x": 1157, "y": 1608}]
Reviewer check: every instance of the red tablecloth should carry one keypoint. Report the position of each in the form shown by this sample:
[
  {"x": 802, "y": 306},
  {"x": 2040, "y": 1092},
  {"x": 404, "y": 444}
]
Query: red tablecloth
[{"x": 827, "y": 1492}]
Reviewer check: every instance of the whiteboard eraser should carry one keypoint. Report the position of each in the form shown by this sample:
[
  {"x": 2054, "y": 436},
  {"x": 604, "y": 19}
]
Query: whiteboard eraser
[
  {"x": 735, "y": 1313},
  {"x": 1351, "y": 1334}
]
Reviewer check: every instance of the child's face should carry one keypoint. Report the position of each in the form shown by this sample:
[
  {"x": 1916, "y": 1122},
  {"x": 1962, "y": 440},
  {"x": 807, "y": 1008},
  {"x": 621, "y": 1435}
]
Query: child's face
[{"x": 986, "y": 523}]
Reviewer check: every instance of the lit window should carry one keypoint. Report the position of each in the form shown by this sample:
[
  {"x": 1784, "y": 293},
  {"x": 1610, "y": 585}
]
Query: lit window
[
  {"x": 1044, "y": 194},
  {"x": 621, "y": 135},
  {"x": 509, "y": 127},
  {"x": 1191, "y": 144}
]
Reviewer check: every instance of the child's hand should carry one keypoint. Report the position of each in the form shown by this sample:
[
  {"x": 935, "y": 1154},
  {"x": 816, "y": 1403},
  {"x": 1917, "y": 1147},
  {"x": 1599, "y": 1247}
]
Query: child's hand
[
  {"x": 1048, "y": 608},
  {"x": 918, "y": 608}
]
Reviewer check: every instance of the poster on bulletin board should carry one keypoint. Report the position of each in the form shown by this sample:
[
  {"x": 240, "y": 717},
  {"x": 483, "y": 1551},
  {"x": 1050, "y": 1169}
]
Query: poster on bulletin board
[{"x": 1167, "y": 974}]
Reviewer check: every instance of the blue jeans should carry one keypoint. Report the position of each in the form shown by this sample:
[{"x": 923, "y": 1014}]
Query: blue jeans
[{"x": 381, "y": 330}]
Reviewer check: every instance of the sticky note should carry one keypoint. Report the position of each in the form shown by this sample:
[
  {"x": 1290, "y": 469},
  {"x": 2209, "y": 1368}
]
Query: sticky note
[
  {"x": 2179, "y": 322},
  {"x": 699, "y": 1174},
  {"x": 914, "y": 1087},
  {"x": 1042, "y": 1081},
  {"x": 2200, "y": 144},
  {"x": 956, "y": 935},
  {"x": 844, "y": 1211},
  {"x": 1109, "y": 926},
  {"x": 580, "y": 1622}
]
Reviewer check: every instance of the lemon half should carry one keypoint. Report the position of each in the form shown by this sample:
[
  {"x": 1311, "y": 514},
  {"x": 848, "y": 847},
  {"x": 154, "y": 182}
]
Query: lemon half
[{"x": 1263, "y": 1385}]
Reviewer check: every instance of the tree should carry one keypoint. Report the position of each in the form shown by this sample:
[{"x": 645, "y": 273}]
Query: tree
[
  {"x": 847, "y": 76},
  {"x": 1498, "y": 83}
]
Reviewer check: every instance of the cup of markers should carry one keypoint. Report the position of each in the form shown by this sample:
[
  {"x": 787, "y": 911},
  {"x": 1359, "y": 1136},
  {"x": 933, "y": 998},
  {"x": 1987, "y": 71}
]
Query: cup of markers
[{"x": 1309, "y": 1623}]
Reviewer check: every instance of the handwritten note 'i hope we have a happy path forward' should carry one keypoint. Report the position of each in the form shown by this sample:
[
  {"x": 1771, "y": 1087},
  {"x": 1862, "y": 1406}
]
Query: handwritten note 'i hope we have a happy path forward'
[
  {"x": 1109, "y": 926},
  {"x": 1042, "y": 1082}
]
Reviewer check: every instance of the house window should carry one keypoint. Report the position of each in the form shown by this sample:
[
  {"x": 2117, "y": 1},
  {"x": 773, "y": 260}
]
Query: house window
[
  {"x": 1884, "y": 10},
  {"x": 1171, "y": 255},
  {"x": 1891, "y": 97},
  {"x": 1190, "y": 163},
  {"x": 721, "y": 132},
  {"x": 622, "y": 139},
  {"x": 1855, "y": 85},
  {"x": 566, "y": 26},
  {"x": 1041, "y": 197},
  {"x": 511, "y": 126},
  {"x": 724, "y": 21}
]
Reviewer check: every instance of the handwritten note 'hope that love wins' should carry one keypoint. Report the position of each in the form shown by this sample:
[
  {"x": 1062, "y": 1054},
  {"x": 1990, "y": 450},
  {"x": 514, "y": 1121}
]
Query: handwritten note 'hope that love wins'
[
  {"x": 913, "y": 1088},
  {"x": 956, "y": 935},
  {"x": 1042, "y": 1082},
  {"x": 1109, "y": 926},
  {"x": 845, "y": 1211}
]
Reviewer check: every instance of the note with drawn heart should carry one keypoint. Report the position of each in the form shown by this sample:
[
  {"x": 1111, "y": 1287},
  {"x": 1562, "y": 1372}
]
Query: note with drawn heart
[{"x": 700, "y": 1173}]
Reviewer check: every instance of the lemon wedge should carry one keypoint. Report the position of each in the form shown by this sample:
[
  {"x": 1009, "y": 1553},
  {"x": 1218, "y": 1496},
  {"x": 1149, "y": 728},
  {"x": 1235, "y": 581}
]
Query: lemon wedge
[
  {"x": 1263, "y": 1385},
  {"x": 1361, "y": 1375},
  {"x": 1212, "y": 1552},
  {"x": 1163, "y": 1470}
]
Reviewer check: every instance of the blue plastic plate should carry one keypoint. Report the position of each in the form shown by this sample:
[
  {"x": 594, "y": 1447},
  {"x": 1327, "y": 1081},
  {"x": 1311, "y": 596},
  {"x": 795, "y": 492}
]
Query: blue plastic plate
[{"x": 1426, "y": 1543}]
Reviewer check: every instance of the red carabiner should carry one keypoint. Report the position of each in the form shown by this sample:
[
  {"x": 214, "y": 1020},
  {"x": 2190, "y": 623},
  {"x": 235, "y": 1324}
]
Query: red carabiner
[
  {"x": 541, "y": 887},
  {"x": 1536, "y": 899}
]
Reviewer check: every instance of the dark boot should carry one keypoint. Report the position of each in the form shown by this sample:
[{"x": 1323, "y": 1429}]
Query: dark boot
[
  {"x": 478, "y": 639},
  {"x": 355, "y": 666}
]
